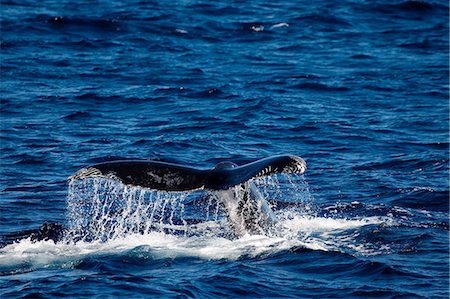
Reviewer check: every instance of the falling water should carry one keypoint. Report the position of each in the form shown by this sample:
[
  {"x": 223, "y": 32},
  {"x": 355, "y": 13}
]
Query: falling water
[
  {"x": 105, "y": 209},
  {"x": 106, "y": 216}
]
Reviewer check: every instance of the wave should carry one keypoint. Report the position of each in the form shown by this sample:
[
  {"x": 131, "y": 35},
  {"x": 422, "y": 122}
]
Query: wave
[
  {"x": 411, "y": 7},
  {"x": 320, "y": 87},
  {"x": 105, "y": 217},
  {"x": 295, "y": 232}
]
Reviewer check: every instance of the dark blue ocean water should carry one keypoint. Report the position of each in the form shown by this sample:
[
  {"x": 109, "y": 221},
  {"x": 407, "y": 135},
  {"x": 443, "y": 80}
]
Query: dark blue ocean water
[{"x": 359, "y": 89}]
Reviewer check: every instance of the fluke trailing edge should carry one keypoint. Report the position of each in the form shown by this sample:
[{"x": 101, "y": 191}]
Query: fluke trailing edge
[{"x": 172, "y": 177}]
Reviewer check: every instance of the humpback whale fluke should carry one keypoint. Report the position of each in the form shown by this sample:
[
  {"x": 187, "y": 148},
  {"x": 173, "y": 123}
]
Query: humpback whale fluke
[
  {"x": 247, "y": 209},
  {"x": 173, "y": 177}
]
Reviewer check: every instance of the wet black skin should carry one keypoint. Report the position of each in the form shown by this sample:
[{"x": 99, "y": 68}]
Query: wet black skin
[
  {"x": 173, "y": 177},
  {"x": 47, "y": 231}
]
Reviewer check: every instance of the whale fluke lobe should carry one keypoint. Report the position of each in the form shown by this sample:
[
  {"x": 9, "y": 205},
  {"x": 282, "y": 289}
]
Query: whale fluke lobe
[
  {"x": 222, "y": 178},
  {"x": 148, "y": 174},
  {"x": 173, "y": 177}
]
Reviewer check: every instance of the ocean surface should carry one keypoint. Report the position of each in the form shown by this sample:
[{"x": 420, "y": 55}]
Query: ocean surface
[{"x": 359, "y": 89}]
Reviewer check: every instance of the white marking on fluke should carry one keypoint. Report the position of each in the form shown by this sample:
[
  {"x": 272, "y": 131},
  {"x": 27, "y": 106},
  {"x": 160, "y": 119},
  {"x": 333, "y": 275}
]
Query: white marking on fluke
[{"x": 86, "y": 173}]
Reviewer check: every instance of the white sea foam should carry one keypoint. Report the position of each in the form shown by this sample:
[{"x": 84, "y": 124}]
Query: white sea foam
[
  {"x": 258, "y": 28},
  {"x": 321, "y": 224},
  {"x": 315, "y": 233},
  {"x": 132, "y": 220},
  {"x": 279, "y": 25}
]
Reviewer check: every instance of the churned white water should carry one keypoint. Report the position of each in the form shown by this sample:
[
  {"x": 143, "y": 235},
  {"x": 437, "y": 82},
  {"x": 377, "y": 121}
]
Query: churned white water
[{"x": 105, "y": 217}]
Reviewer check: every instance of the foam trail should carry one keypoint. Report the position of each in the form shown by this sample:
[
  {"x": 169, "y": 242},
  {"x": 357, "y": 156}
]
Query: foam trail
[
  {"x": 105, "y": 217},
  {"x": 296, "y": 231}
]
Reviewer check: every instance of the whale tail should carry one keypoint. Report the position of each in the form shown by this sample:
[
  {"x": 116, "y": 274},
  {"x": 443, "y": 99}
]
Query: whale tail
[{"x": 173, "y": 177}]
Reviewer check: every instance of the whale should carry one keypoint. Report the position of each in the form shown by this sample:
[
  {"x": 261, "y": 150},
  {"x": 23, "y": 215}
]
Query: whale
[{"x": 247, "y": 210}]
